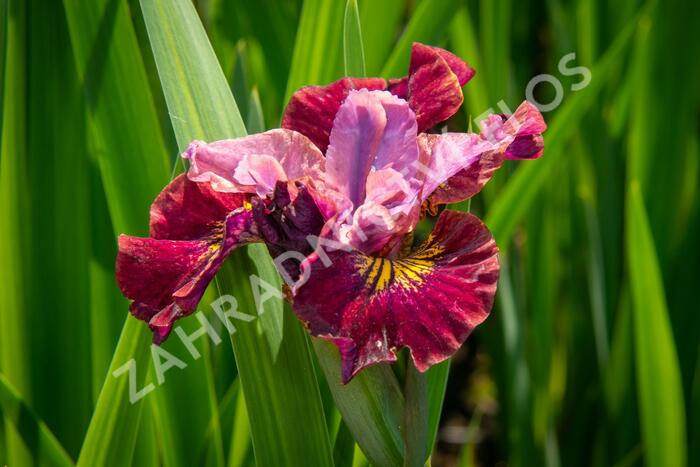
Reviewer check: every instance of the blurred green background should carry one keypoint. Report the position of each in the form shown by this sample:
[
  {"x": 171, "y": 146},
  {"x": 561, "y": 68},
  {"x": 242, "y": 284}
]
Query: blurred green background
[{"x": 591, "y": 354}]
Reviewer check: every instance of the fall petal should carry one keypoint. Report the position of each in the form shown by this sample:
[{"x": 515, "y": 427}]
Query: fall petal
[
  {"x": 149, "y": 270},
  {"x": 187, "y": 210},
  {"x": 167, "y": 278},
  {"x": 428, "y": 301}
]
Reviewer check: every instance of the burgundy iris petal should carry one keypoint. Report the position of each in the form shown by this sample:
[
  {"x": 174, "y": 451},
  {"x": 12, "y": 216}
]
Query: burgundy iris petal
[
  {"x": 186, "y": 210},
  {"x": 193, "y": 229},
  {"x": 428, "y": 301},
  {"x": 435, "y": 84}
]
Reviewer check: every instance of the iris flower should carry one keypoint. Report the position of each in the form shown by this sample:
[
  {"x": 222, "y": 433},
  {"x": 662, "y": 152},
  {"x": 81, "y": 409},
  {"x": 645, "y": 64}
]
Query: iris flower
[{"x": 353, "y": 166}]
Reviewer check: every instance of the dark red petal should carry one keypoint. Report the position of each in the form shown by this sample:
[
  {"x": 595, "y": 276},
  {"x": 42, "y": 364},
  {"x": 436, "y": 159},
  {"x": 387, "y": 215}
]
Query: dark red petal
[
  {"x": 167, "y": 278},
  {"x": 428, "y": 301},
  {"x": 528, "y": 125},
  {"x": 312, "y": 109},
  {"x": 434, "y": 90},
  {"x": 150, "y": 270},
  {"x": 422, "y": 54},
  {"x": 187, "y": 210},
  {"x": 399, "y": 87},
  {"x": 525, "y": 147}
]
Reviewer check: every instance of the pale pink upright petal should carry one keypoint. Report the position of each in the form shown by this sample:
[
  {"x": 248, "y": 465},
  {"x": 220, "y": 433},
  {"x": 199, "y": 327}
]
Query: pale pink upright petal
[
  {"x": 311, "y": 109},
  {"x": 373, "y": 130}
]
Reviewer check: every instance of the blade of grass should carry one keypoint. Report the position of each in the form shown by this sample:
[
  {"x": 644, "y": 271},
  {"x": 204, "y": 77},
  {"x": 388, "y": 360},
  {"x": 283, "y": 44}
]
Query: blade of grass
[
  {"x": 118, "y": 96},
  {"x": 4, "y": 24},
  {"x": 240, "y": 434},
  {"x": 316, "y": 58},
  {"x": 112, "y": 432},
  {"x": 596, "y": 271},
  {"x": 517, "y": 374},
  {"x": 39, "y": 440},
  {"x": 13, "y": 230},
  {"x": 437, "y": 386},
  {"x": 280, "y": 389},
  {"x": 495, "y": 30},
  {"x": 354, "y": 54},
  {"x": 416, "y": 418},
  {"x": 463, "y": 39},
  {"x": 661, "y": 405},
  {"x": 343, "y": 447},
  {"x": 427, "y": 24},
  {"x": 380, "y": 25},
  {"x": 57, "y": 167},
  {"x": 200, "y": 103},
  {"x": 126, "y": 138}
]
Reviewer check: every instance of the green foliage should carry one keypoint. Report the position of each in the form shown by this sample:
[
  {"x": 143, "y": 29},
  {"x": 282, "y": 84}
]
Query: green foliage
[{"x": 591, "y": 355}]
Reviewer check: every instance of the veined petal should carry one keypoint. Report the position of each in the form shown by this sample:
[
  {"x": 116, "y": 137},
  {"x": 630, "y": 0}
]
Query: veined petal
[
  {"x": 422, "y": 54},
  {"x": 457, "y": 165},
  {"x": 527, "y": 125},
  {"x": 311, "y": 109},
  {"x": 261, "y": 171},
  {"x": 435, "y": 82},
  {"x": 428, "y": 301},
  {"x": 432, "y": 87},
  {"x": 149, "y": 270},
  {"x": 373, "y": 130},
  {"x": 186, "y": 210},
  {"x": 166, "y": 278},
  {"x": 448, "y": 154},
  {"x": 244, "y": 164}
]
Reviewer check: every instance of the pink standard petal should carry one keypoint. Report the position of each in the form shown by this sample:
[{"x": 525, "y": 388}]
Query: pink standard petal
[
  {"x": 373, "y": 130},
  {"x": 312, "y": 109},
  {"x": 429, "y": 301},
  {"x": 217, "y": 162}
]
